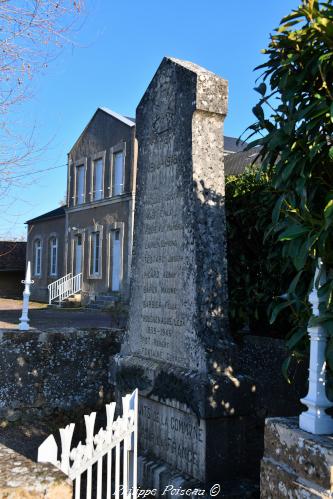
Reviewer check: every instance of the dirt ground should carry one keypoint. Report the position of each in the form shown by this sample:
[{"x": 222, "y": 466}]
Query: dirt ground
[{"x": 43, "y": 318}]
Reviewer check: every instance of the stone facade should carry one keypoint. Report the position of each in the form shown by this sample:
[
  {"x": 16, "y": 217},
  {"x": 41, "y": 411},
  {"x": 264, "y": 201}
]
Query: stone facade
[
  {"x": 43, "y": 230},
  {"x": 105, "y": 137},
  {"x": 106, "y": 209},
  {"x": 295, "y": 463},
  {"x": 42, "y": 372}
]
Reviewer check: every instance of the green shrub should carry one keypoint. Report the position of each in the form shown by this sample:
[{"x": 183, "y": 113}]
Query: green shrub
[
  {"x": 294, "y": 118},
  {"x": 257, "y": 275}
]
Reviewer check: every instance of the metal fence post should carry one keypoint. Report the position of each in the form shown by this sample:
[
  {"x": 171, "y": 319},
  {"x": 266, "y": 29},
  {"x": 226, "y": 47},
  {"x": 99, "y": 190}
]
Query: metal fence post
[{"x": 24, "y": 319}]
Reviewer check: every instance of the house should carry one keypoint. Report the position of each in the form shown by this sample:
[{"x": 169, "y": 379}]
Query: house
[
  {"x": 46, "y": 240},
  {"x": 12, "y": 268},
  {"x": 91, "y": 236}
]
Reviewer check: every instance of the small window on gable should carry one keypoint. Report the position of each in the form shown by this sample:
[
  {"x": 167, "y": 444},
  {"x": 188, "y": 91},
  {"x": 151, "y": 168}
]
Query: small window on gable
[
  {"x": 54, "y": 256},
  {"x": 38, "y": 257},
  {"x": 98, "y": 179},
  {"x": 118, "y": 174},
  {"x": 80, "y": 171}
]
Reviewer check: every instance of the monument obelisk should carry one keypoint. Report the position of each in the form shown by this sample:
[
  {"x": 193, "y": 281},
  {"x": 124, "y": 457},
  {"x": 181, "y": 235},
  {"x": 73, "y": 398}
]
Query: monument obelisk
[{"x": 177, "y": 349}]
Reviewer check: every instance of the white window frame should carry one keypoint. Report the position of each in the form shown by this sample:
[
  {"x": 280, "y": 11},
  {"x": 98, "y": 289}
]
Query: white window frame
[
  {"x": 69, "y": 178},
  {"x": 74, "y": 235},
  {"x": 38, "y": 256},
  {"x": 80, "y": 163},
  {"x": 97, "y": 157},
  {"x": 52, "y": 247},
  {"x": 119, "y": 227},
  {"x": 113, "y": 235},
  {"x": 92, "y": 253},
  {"x": 78, "y": 237},
  {"x": 118, "y": 149}
]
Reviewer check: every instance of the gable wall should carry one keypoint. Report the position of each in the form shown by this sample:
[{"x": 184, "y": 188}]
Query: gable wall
[{"x": 103, "y": 133}]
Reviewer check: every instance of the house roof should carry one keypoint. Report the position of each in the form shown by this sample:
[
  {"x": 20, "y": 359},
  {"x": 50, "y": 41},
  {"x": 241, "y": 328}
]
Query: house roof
[
  {"x": 57, "y": 213},
  {"x": 120, "y": 117},
  {"x": 12, "y": 255},
  {"x": 124, "y": 119},
  {"x": 235, "y": 164},
  {"x": 232, "y": 144}
]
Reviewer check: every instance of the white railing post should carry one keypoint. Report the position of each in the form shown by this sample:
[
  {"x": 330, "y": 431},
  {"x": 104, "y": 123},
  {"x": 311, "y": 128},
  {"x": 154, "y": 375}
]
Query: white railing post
[
  {"x": 315, "y": 420},
  {"x": 24, "y": 319},
  {"x": 66, "y": 435},
  {"x": 133, "y": 448}
]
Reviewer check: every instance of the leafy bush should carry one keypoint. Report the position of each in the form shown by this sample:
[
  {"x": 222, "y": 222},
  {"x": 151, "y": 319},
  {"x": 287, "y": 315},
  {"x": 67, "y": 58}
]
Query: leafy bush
[
  {"x": 257, "y": 275},
  {"x": 295, "y": 120}
]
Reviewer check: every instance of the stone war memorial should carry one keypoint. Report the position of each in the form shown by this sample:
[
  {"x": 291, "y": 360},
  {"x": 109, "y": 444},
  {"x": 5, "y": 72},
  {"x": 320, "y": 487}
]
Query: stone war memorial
[{"x": 197, "y": 406}]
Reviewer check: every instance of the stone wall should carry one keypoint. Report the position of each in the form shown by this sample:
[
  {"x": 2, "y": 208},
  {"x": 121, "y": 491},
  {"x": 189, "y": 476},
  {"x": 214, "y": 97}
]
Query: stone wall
[
  {"x": 22, "y": 478},
  {"x": 55, "y": 371},
  {"x": 295, "y": 463}
]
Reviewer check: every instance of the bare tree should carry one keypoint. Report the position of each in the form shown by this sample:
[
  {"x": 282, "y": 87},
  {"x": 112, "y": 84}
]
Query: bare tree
[{"x": 31, "y": 34}]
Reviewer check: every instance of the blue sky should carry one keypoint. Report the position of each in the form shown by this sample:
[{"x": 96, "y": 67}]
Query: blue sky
[{"x": 118, "y": 48}]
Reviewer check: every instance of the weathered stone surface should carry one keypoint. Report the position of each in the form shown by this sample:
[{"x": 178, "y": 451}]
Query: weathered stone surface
[
  {"x": 179, "y": 291},
  {"x": 278, "y": 482},
  {"x": 178, "y": 348},
  {"x": 24, "y": 479},
  {"x": 59, "y": 370},
  {"x": 295, "y": 463}
]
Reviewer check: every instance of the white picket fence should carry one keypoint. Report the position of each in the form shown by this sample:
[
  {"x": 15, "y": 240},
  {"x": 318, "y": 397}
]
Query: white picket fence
[
  {"x": 114, "y": 449},
  {"x": 64, "y": 287}
]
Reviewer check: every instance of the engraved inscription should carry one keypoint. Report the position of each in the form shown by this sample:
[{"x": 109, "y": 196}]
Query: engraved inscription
[
  {"x": 162, "y": 332},
  {"x": 177, "y": 437}
]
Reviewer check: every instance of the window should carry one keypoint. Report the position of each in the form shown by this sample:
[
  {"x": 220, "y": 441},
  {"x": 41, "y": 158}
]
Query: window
[
  {"x": 54, "y": 256},
  {"x": 80, "y": 184},
  {"x": 116, "y": 260},
  {"x": 118, "y": 174},
  {"x": 95, "y": 253},
  {"x": 38, "y": 257},
  {"x": 78, "y": 254},
  {"x": 97, "y": 179}
]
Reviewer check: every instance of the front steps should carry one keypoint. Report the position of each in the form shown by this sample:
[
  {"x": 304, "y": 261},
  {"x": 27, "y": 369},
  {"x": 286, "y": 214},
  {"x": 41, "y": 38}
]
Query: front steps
[
  {"x": 73, "y": 301},
  {"x": 104, "y": 302}
]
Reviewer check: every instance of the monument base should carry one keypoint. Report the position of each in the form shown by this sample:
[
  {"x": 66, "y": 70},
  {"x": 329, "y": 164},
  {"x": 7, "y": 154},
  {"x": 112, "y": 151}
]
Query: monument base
[
  {"x": 198, "y": 424},
  {"x": 163, "y": 481}
]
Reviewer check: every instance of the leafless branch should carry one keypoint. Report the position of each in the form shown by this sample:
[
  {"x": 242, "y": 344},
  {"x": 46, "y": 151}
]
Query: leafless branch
[{"x": 31, "y": 33}]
